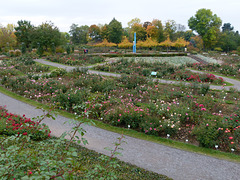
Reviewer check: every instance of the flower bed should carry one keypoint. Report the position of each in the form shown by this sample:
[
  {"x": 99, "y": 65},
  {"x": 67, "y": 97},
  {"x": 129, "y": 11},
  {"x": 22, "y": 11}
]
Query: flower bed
[
  {"x": 11, "y": 124},
  {"x": 19, "y": 66},
  {"x": 73, "y": 60},
  {"x": 163, "y": 70},
  {"x": 138, "y": 103},
  {"x": 224, "y": 69}
]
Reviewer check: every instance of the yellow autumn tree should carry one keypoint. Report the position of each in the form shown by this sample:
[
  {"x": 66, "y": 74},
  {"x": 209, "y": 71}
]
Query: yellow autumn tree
[
  {"x": 148, "y": 43},
  {"x": 152, "y": 32},
  {"x": 125, "y": 43},
  {"x": 105, "y": 43},
  {"x": 167, "y": 43},
  {"x": 7, "y": 36},
  {"x": 180, "y": 43}
]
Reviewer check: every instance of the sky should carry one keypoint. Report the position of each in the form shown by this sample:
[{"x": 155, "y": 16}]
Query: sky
[{"x": 63, "y": 13}]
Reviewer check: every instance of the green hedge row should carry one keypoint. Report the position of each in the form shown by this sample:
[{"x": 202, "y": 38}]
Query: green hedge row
[{"x": 142, "y": 55}]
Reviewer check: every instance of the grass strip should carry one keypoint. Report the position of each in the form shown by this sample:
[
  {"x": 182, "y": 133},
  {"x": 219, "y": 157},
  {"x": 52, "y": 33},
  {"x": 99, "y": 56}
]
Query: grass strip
[{"x": 129, "y": 132}]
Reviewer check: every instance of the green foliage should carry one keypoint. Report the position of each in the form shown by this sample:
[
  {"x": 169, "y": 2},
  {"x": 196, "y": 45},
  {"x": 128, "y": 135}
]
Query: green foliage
[
  {"x": 58, "y": 72},
  {"x": 24, "y": 32},
  {"x": 79, "y": 35},
  {"x": 132, "y": 81},
  {"x": 238, "y": 50},
  {"x": 59, "y": 50},
  {"x": 45, "y": 35},
  {"x": 115, "y": 31},
  {"x": 68, "y": 49},
  {"x": 22, "y": 158},
  {"x": 23, "y": 48},
  {"x": 206, "y": 24},
  {"x": 207, "y": 135}
]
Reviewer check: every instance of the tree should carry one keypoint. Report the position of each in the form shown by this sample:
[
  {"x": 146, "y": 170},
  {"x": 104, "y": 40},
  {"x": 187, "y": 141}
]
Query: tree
[
  {"x": 188, "y": 34},
  {"x": 105, "y": 43},
  {"x": 24, "y": 32},
  {"x": 228, "y": 40},
  {"x": 146, "y": 24},
  {"x": 149, "y": 43},
  {"x": 170, "y": 28},
  {"x": 207, "y": 25},
  {"x": 125, "y": 43},
  {"x": 167, "y": 43},
  {"x": 79, "y": 35},
  {"x": 158, "y": 24},
  {"x": 180, "y": 43},
  {"x": 227, "y": 27},
  {"x": 46, "y": 35},
  {"x": 7, "y": 36},
  {"x": 133, "y": 21},
  {"x": 94, "y": 33},
  {"x": 65, "y": 38},
  {"x": 197, "y": 42},
  {"x": 115, "y": 31},
  {"x": 104, "y": 31},
  {"x": 140, "y": 31},
  {"x": 152, "y": 32}
]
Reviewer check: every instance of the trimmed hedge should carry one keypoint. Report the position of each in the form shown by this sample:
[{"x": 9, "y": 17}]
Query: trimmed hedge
[{"x": 141, "y": 55}]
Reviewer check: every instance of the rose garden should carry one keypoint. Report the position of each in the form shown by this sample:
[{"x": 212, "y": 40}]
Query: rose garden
[{"x": 164, "y": 93}]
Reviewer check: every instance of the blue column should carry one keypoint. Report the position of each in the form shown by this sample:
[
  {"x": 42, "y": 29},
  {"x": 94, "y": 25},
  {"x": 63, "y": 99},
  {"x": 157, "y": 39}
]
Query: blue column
[{"x": 134, "y": 43}]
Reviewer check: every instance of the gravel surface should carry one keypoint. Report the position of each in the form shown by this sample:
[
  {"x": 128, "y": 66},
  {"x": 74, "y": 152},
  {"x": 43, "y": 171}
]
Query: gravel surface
[{"x": 174, "y": 163}]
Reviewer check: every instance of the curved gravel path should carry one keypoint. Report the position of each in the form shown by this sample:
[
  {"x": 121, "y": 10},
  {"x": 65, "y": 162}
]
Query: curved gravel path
[
  {"x": 69, "y": 68},
  {"x": 174, "y": 163}
]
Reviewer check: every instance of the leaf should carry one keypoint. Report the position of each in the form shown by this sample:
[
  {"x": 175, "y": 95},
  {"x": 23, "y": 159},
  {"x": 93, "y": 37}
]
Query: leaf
[{"x": 74, "y": 154}]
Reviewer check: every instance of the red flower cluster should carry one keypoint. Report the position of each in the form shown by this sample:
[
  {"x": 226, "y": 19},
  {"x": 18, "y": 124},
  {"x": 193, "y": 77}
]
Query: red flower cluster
[{"x": 19, "y": 124}]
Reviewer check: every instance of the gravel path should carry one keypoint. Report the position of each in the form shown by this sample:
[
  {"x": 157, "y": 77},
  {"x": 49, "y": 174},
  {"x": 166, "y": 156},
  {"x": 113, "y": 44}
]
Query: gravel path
[
  {"x": 174, "y": 163},
  {"x": 69, "y": 68}
]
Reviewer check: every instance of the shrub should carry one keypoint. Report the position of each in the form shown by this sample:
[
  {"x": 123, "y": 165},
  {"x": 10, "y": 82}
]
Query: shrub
[
  {"x": 45, "y": 53},
  {"x": 207, "y": 134},
  {"x": 58, "y": 72},
  {"x": 132, "y": 81},
  {"x": 218, "y": 49},
  {"x": 11, "y": 53},
  {"x": 59, "y": 50}
]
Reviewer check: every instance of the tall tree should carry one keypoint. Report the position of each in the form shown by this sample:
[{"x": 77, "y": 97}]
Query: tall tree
[
  {"x": 115, "y": 31},
  {"x": 140, "y": 31},
  {"x": 94, "y": 33},
  {"x": 170, "y": 28},
  {"x": 104, "y": 31},
  {"x": 133, "y": 21},
  {"x": 7, "y": 36},
  {"x": 79, "y": 35},
  {"x": 24, "y": 32},
  {"x": 158, "y": 24},
  {"x": 152, "y": 32},
  {"x": 207, "y": 25},
  {"x": 46, "y": 35}
]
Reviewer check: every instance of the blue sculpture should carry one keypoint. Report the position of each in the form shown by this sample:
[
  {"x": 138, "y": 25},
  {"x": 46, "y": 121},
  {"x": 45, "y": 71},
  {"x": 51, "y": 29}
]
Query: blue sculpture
[{"x": 134, "y": 43}]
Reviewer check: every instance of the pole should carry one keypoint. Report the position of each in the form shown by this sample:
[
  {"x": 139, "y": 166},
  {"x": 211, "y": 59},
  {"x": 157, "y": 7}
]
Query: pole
[{"x": 134, "y": 43}]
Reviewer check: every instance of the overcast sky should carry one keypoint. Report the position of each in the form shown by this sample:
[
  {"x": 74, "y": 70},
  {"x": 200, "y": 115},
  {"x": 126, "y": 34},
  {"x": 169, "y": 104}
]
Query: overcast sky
[{"x": 63, "y": 13}]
